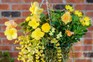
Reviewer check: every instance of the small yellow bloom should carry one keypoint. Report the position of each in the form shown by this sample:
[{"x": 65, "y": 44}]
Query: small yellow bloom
[
  {"x": 85, "y": 21},
  {"x": 35, "y": 9},
  {"x": 28, "y": 18},
  {"x": 37, "y": 34},
  {"x": 78, "y": 13},
  {"x": 45, "y": 27},
  {"x": 34, "y": 24},
  {"x": 66, "y": 18},
  {"x": 54, "y": 40},
  {"x": 10, "y": 24},
  {"x": 69, "y": 33},
  {"x": 69, "y": 8},
  {"x": 11, "y": 33}
]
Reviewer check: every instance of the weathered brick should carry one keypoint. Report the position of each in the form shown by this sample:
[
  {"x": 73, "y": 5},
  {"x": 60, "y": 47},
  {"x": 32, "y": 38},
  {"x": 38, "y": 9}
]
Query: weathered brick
[
  {"x": 4, "y": 7},
  {"x": 75, "y": 1},
  {"x": 83, "y": 60}
]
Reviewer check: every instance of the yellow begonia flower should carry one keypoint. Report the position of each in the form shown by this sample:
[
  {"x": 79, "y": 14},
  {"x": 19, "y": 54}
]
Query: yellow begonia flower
[
  {"x": 37, "y": 34},
  {"x": 45, "y": 27},
  {"x": 69, "y": 33},
  {"x": 35, "y": 18},
  {"x": 35, "y": 9},
  {"x": 78, "y": 13},
  {"x": 85, "y": 21},
  {"x": 11, "y": 33},
  {"x": 66, "y": 18},
  {"x": 34, "y": 24},
  {"x": 28, "y": 18},
  {"x": 10, "y": 24},
  {"x": 69, "y": 8}
]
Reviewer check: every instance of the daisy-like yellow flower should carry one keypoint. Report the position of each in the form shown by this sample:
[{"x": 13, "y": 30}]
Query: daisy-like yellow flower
[
  {"x": 34, "y": 24},
  {"x": 10, "y": 24},
  {"x": 37, "y": 34},
  {"x": 69, "y": 33},
  {"x": 35, "y": 9},
  {"x": 45, "y": 27},
  {"x": 85, "y": 21},
  {"x": 69, "y": 8},
  {"x": 11, "y": 33},
  {"x": 78, "y": 13},
  {"x": 66, "y": 18}
]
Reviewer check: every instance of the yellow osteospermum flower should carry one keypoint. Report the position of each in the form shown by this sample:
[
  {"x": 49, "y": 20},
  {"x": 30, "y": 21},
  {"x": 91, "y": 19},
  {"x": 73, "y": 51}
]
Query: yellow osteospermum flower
[
  {"x": 45, "y": 27},
  {"x": 85, "y": 21},
  {"x": 35, "y": 9},
  {"x": 78, "y": 13},
  {"x": 34, "y": 24},
  {"x": 11, "y": 33},
  {"x": 66, "y": 18},
  {"x": 37, "y": 34},
  {"x": 70, "y": 8}
]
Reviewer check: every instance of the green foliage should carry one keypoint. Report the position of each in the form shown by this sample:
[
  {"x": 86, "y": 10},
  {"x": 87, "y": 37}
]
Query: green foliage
[{"x": 5, "y": 57}]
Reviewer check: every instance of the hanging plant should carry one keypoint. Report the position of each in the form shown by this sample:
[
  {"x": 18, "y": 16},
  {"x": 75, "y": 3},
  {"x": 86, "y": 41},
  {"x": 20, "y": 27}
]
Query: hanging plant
[{"x": 48, "y": 37}]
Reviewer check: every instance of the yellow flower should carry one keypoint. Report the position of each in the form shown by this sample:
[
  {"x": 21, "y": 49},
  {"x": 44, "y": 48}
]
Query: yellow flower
[
  {"x": 45, "y": 27},
  {"x": 11, "y": 33},
  {"x": 35, "y": 18},
  {"x": 35, "y": 9},
  {"x": 78, "y": 13},
  {"x": 10, "y": 24},
  {"x": 66, "y": 18},
  {"x": 28, "y": 18},
  {"x": 69, "y": 33},
  {"x": 34, "y": 24},
  {"x": 85, "y": 21},
  {"x": 70, "y": 8},
  {"x": 37, "y": 34}
]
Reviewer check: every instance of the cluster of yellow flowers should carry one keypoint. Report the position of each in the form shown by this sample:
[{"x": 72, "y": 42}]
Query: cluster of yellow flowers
[
  {"x": 34, "y": 22},
  {"x": 10, "y": 31}
]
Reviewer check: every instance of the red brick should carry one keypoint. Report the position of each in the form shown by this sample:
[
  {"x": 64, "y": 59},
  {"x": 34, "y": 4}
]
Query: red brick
[
  {"x": 88, "y": 35},
  {"x": 90, "y": 14},
  {"x": 84, "y": 7},
  {"x": 88, "y": 41},
  {"x": 14, "y": 54},
  {"x": 75, "y": 1},
  {"x": 11, "y": 1},
  {"x": 80, "y": 7},
  {"x": 4, "y": 7},
  {"x": 90, "y": 28},
  {"x": 3, "y": 27},
  {"x": 25, "y": 14},
  {"x": 21, "y": 7},
  {"x": 83, "y": 60},
  {"x": 87, "y": 48},
  {"x": 5, "y": 48},
  {"x": 19, "y": 20},
  {"x": 77, "y": 48},
  {"x": 55, "y": 1},
  {"x": 27, "y": 1},
  {"x": 8, "y": 42},
  {"x": 2, "y": 35},
  {"x": 76, "y": 54},
  {"x": 3, "y": 20}
]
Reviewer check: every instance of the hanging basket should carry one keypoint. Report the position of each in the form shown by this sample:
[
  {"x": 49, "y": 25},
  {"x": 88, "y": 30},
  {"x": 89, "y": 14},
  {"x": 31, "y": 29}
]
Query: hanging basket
[{"x": 48, "y": 37}]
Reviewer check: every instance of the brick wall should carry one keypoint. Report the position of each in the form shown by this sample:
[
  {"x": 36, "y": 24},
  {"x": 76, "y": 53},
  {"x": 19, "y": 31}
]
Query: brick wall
[{"x": 18, "y": 9}]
